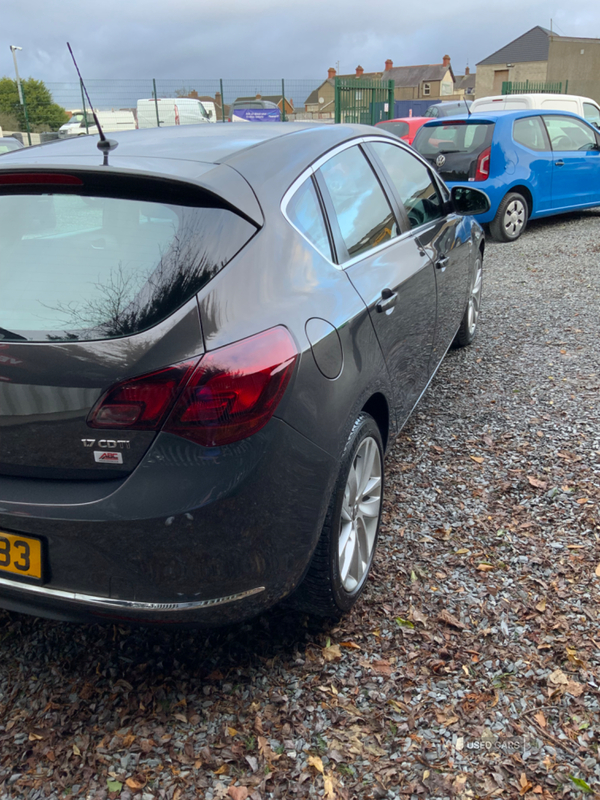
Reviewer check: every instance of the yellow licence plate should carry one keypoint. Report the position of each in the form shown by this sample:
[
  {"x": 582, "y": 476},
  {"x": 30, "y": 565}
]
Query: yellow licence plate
[{"x": 20, "y": 555}]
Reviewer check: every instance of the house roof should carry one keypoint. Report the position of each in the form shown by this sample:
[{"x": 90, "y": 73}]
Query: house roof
[
  {"x": 276, "y": 98},
  {"x": 465, "y": 81},
  {"x": 531, "y": 46},
  {"x": 313, "y": 97},
  {"x": 414, "y": 76}
]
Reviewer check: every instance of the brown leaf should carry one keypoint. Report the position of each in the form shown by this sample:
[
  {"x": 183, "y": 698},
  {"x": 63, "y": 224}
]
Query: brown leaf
[
  {"x": 488, "y": 440},
  {"x": 137, "y": 782},
  {"x": 485, "y": 567},
  {"x": 128, "y": 740},
  {"x": 181, "y": 717},
  {"x": 416, "y": 616},
  {"x": 328, "y": 785},
  {"x": 238, "y": 792},
  {"x": 598, "y": 571},
  {"x": 382, "y": 667},
  {"x": 222, "y": 770},
  {"x": 34, "y": 737},
  {"x": 558, "y": 678},
  {"x": 351, "y": 645},
  {"x": 541, "y": 606},
  {"x": 477, "y": 459},
  {"x": 332, "y": 653},
  {"x": 315, "y": 761},
  {"x": 525, "y": 784},
  {"x": 583, "y": 500},
  {"x": 449, "y": 619},
  {"x": 539, "y": 484},
  {"x": 540, "y": 719},
  {"x": 574, "y": 689}
]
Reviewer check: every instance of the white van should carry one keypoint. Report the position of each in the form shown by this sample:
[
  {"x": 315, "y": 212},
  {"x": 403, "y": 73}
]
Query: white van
[
  {"x": 584, "y": 106},
  {"x": 110, "y": 121},
  {"x": 171, "y": 111}
]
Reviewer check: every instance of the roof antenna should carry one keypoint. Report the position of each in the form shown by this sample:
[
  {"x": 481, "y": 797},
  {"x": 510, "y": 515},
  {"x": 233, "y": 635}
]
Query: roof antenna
[
  {"x": 104, "y": 145},
  {"x": 469, "y": 112}
]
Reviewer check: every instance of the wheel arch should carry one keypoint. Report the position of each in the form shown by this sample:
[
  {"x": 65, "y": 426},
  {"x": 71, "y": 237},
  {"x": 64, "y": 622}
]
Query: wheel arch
[
  {"x": 377, "y": 406},
  {"x": 523, "y": 190}
]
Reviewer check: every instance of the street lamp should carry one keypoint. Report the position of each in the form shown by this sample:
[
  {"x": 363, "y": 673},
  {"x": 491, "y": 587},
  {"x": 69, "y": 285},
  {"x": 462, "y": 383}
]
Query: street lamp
[{"x": 13, "y": 49}]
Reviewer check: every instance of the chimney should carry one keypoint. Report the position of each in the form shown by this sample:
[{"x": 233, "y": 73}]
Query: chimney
[
  {"x": 359, "y": 71},
  {"x": 389, "y": 64},
  {"x": 467, "y": 70},
  {"x": 446, "y": 61},
  {"x": 330, "y": 73}
]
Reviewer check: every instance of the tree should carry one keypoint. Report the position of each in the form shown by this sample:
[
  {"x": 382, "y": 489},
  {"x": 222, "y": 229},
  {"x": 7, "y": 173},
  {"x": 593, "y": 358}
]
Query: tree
[{"x": 44, "y": 114}]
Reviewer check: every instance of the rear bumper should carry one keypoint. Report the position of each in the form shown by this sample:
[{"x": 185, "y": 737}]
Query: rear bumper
[{"x": 194, "y": 535}]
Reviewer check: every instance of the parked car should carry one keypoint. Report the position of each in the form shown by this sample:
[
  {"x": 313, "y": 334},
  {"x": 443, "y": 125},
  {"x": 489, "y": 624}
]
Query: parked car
[
  {"x": 82, "y": 124},
  {"x": 171, "y": 111},
  {"x": 206, "y": 346},
  {"x": 530, "y": 164},
  {"x": 8, "y": 144},
  {"x": 449, "y": 108},
  {"x": 403, "y": 127},
  {"x": 254, "y": 111},
  {"x": 584, "y": 106}
]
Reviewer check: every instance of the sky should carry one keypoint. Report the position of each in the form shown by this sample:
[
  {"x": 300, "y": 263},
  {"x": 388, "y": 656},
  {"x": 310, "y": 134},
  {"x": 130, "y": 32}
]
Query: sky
[{"x": 235, "y": 39}]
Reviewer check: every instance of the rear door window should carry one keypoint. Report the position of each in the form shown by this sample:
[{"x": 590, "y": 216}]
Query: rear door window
[
  {"x": 361, "y": 208},
  {"x": 413, "y": 182},
  {"x": 304, "y": 212},
  {"x": 592, "y": 114},
  {"x": 530, "y": 132},
  {"x": 568, "y": 133},
  {"x": 76, "y": 267}
]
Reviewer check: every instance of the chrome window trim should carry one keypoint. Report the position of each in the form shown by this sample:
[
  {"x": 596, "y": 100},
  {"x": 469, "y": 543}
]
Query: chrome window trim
[
  {"x": 125, "y": 605},
  {"x": 310, "y": 171}
]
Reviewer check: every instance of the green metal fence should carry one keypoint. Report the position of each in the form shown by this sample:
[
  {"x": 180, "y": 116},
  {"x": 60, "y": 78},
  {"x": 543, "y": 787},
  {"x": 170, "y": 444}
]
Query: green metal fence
[
  {"x": 363, "y": 101},
  {"x": 534, "y": 87}
]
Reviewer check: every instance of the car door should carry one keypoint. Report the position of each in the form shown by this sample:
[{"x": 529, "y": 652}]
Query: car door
[
  {"x": 443, "y": 238},
  {"x": 387, "y": 267},
  {"x": 535, "y": 155},
  {"x": 576, "y": 167}
]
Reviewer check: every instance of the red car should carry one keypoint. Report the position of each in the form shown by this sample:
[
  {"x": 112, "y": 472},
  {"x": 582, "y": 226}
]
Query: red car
[{"x": 404, "y": 127}]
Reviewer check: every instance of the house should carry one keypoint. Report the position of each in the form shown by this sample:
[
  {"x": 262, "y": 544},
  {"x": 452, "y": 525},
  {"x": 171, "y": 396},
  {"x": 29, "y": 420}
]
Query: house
[
  {"x": 321, "y": 101},
  {"x": 546, "y": 59},
  {"x": 422, "y": 82},
  {"x": 465, "y": 83},
  {"x": 272, "y": 98}
]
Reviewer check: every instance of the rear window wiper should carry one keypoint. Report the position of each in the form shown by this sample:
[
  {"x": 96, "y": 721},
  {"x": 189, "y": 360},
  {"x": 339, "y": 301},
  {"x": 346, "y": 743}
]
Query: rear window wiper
[
  {"x": 445, "y": 152},
  {"x": 4, "y": 334}
]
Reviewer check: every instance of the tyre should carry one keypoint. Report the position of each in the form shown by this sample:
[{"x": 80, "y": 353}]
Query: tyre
[
  {"x": 511, "y": 218},
  {"x": 342, "y": 559},
  {"x": 468, "y": 326}
]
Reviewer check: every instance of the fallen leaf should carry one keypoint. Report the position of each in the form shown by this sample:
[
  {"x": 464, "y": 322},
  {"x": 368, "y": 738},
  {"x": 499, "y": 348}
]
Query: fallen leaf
[
  {"x": 477, "y": 459},
  {"x": 574, "y": 689},
  {"x": 558, "y": 678},
  {"x": 34, "y": 737},
  {"x": 485, "y": 567},
  {"x": 462, "y": 551},
  {"x": 137, "y": 782},
  {"x": 541, "y": 606},
  {"x": 413, "y": 576},
  {"x": 417, "y": 616},
  {"x": 315, "y": 761},
  {"x": 129, "y": 740},
  {"x": 525, "y": 784},
  {"x": 382, "y": 668},
  {"x": 181, "y": 717},
  {"x": 232, "y": 731},
  {"x": 581, "y": 784},
  {"x": 351, "y": 645},
  {"x": 449, "y": 619},
  {"x": 332, "y": 653},
  {"x": 328, "y": 785},
  {"x": 238, "y": 792},
  {"x": 405, "y": 623},
  {"x": 222, "y": 770},
  {"x": 540, "y": 719},
  {"x": 537, "y": 482},
  {"x": 582, "y": 500},
  {"x": 598, "y": 571},
  {"x": 575, "y": 546},
  {"x": 76, "y": 750},
  {"x": 538, "y": 789},
  {"x": 114, "y": 786}
]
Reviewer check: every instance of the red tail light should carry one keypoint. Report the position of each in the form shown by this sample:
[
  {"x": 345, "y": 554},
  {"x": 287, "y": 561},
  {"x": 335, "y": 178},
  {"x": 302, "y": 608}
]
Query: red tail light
[
  {"x": 141, "y": 403},
  {"x": 28, "y": 178},
  {"x": 229, "y": 393},
  {"x": 482, "y": 170},
  {"x": 235, "y": 390}
]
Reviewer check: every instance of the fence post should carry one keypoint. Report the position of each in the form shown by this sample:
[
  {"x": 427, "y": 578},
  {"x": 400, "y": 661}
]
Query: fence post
[
  {"x": 391, "y": 99},
  {"x": 566, "y": 87},
  {"x": 87, "y": 130},
  {"x": 222, "y": 100},
  {"x": 156, "y": 102},
  {"x": 338, "y": 93},
  {"x": 283, "y": 117}
]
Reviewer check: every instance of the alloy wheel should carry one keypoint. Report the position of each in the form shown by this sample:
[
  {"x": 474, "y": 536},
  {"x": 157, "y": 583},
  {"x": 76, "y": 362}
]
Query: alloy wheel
[
  {"x": 514, "y": 218},
  {"x": 360, "y": 514},
  {"x": 474, "y": 299}
]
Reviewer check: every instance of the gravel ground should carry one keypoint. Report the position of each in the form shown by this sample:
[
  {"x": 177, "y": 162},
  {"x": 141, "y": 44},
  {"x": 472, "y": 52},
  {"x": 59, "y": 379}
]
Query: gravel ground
[{"x": 471, "y": 666}]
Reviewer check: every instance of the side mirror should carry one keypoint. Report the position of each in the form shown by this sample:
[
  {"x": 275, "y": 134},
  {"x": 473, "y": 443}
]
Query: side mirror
[{"x": 468, "y": 200}]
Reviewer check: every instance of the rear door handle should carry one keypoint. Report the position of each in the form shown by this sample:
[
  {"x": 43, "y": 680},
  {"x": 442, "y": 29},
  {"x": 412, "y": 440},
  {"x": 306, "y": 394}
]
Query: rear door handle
[
  {"x": 388, "y": 300},
  {"x": 442, "y": 263},
  {"x": 559, "y": 163}
]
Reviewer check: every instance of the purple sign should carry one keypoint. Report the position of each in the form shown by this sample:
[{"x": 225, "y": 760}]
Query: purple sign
[{"x": 256, "y": 115}]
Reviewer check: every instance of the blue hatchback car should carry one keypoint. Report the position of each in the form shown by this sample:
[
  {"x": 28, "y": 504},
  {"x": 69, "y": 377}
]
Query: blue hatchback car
[{"x": 531, "y": 164}]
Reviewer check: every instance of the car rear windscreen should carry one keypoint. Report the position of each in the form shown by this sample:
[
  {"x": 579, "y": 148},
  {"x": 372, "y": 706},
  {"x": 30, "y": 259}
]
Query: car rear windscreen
[
  {"x": 399, "y": 128},
  {"x": 76, "y": 267},
  {"x": 459, "y": 142}
]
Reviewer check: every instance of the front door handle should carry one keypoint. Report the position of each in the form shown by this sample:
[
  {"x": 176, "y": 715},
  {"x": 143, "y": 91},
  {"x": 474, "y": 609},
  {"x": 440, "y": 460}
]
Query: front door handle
[
  {"x": 442, "y": 263},
  {"x": 388, "y": 300},
  {"x": 559, "y": 163}
]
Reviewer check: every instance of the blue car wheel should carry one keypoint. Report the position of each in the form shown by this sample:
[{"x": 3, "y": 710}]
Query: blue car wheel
[{"x": 511, "y": 218}]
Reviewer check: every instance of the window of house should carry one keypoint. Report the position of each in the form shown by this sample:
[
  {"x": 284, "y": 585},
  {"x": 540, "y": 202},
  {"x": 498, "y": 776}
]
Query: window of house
[
  {"x": 361, "y": 207},
  {"x": 426, "y": 88},
  {"x": 413, "y": 183}
]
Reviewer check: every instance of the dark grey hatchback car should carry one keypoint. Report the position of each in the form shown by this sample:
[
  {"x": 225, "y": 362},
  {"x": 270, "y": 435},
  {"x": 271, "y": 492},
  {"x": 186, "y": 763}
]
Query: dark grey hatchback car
[{"x": 205, "y": 346}]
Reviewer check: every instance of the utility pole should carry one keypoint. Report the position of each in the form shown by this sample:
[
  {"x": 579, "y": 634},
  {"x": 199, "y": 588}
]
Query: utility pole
[{"x": 13, "y": 49}]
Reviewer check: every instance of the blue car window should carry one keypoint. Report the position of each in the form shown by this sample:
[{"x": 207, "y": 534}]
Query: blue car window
[
  {"x": 530, "y": 133},
  {"x": 362, "y": 210},
  {"x": 413, "y": 183},
  {"x": 568, "y": 133},
  {"x": 304, "y": 212}
]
